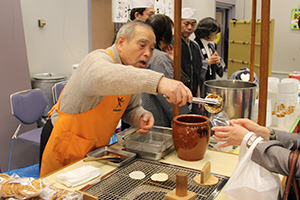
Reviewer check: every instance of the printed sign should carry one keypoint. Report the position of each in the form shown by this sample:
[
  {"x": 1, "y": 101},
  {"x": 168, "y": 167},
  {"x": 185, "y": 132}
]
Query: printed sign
[
  {"x": 295, "y": 18},
  {"x": 121, "y": 9}
]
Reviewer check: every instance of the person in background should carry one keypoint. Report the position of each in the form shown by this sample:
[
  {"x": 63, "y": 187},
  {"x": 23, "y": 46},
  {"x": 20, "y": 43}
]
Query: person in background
[
  {"x": 141, "y": 9},
  {"x": 105, "y": 87},
  {"x": 272, "y": 153},
  {"x": 205, "y": 32},
  {"x": 160, "y": 108},
  {"x": 191, "y": 65}
]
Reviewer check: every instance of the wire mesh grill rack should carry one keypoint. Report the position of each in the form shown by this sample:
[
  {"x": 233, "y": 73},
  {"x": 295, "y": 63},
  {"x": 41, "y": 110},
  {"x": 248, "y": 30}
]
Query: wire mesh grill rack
[{"x": 120, "y": 186}]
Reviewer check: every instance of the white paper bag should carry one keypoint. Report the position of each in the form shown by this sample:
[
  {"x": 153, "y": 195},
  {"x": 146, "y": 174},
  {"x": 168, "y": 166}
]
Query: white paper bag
[{"x": 249, "y": 180}]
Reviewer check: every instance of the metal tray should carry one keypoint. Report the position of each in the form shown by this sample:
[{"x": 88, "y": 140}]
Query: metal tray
[
  {"x": 126, "y": 156},
  {"x": 119, "y": 185},
  {"x": 157, "y": 140},
  {"x": 150, "y": 155}
]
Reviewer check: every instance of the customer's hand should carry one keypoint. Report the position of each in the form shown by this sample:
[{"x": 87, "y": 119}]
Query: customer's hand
[
  {"x": 216, "y": 58},
  {"x": 146, "y": 123},
  {"x": 231, "y": 135},
  {"x": 253, "y": 127},
  {"x": 169, "y": 49},
  {"x": 176, "y": 91}
]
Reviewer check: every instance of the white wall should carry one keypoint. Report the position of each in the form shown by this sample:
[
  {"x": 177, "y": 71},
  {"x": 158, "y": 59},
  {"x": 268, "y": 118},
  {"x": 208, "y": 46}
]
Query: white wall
[
  {"x": 64, "y": 40},
  {"x": 205, "y": 8},
  {"x": 240, "y": 9},
  {"x": 286, "y": 49},
  {"x": 286, "y": 56}
]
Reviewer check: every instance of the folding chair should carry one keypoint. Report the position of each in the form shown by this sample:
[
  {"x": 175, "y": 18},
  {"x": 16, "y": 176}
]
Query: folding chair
[
  {"x": 56, "y": 90},
  {"x": 27, "y": 107}
]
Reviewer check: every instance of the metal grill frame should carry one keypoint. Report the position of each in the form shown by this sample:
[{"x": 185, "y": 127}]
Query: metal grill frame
[{"x": 119, "y": 185}]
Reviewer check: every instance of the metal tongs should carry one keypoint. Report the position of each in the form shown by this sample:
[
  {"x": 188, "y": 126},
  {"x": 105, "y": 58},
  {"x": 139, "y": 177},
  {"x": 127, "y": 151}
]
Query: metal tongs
[{"x": 209, "y": 101}]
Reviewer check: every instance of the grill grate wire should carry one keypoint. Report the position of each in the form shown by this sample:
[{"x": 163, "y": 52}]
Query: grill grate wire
[{"x": 120, "y": 186}]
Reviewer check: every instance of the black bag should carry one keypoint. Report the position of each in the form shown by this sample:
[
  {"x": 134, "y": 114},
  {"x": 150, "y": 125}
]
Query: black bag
[{"x": 291, "y": 188}]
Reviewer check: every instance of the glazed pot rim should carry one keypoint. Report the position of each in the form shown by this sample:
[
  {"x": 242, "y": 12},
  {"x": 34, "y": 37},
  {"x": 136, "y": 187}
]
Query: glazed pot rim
[{"x": 175, "y": 119}]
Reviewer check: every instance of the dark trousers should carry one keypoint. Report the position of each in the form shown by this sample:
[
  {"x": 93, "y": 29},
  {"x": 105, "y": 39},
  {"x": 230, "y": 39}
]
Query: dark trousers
[{"x": 46, "y": 132}]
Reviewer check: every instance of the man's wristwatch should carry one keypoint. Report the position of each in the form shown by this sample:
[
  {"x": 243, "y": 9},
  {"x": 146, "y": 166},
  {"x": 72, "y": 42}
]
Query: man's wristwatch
[{"x": 272, "y": 134}]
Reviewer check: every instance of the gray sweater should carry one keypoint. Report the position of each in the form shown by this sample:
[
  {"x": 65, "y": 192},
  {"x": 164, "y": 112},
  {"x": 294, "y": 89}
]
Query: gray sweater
[
  {"x": 161, "y": 109},
  {"x": 97, "y": 76}
]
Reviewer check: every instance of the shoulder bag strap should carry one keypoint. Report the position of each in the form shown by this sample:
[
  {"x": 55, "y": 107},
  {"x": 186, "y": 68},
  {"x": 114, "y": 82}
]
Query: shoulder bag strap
[{"x": 291, "y": 177}]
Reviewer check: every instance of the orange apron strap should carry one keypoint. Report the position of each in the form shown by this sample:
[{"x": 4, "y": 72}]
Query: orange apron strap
[
  {"x": 111, "y": 54},
  {"x": 55, "y": 106}
]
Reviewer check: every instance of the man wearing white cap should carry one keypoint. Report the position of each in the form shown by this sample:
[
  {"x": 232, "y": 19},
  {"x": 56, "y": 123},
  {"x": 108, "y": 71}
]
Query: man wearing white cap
[
  {"x": 142, "y": 9},
  {"x": 191, "y": 62}
]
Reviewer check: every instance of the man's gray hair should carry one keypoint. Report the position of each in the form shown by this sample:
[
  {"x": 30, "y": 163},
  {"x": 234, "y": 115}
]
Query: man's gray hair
[{"x": 128, "y": 29}]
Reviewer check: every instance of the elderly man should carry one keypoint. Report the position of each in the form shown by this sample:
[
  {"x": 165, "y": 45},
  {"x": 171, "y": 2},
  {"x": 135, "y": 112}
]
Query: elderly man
[
  {"x": 142, "y": 9},
  {"x": 191, "y": 65},
  {"x": 105, "y": 87}
]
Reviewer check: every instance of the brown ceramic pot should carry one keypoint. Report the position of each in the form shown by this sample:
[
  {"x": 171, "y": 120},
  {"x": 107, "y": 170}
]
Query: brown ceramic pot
[{"x": 191, "y": 134}]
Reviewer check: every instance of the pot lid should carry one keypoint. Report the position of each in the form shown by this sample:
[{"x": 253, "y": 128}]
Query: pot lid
[{"x": 49, "y": 76}]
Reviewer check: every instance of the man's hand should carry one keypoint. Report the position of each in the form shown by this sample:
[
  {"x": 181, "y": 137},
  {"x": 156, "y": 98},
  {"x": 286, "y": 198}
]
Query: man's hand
[
  {"x": 146, "y": 123},
  {"x": 176, "y": 91}
]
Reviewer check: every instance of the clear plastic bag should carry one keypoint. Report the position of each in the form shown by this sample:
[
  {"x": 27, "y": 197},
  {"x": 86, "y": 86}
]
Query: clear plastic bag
[
  {"x": 219, "y": 119},
  {"x": 51, "y": 192},
  {"x": 15, "y": 187},
  {"x": 21, "y": 187}
]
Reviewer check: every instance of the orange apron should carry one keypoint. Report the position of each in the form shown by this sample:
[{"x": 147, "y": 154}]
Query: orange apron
[{"x": 73, "y": 136}]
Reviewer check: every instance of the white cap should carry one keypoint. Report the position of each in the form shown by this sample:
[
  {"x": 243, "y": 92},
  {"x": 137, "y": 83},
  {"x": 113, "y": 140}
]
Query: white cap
[
  {"x": 142, "y": 3},
  {"x": 189, "y": 13}
]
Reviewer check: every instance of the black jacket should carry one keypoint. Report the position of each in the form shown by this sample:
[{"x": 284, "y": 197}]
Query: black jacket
[{"x": 191, "y": 64}]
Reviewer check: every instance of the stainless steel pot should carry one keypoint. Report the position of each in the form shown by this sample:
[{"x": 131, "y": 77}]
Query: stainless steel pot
[
  {"x": 238, "y": 96},
  {"x": 45, "y": 81}
]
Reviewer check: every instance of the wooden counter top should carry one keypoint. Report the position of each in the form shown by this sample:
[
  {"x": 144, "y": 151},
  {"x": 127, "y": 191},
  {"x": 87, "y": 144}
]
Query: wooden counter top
[{"x": 221, "y": 162}]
